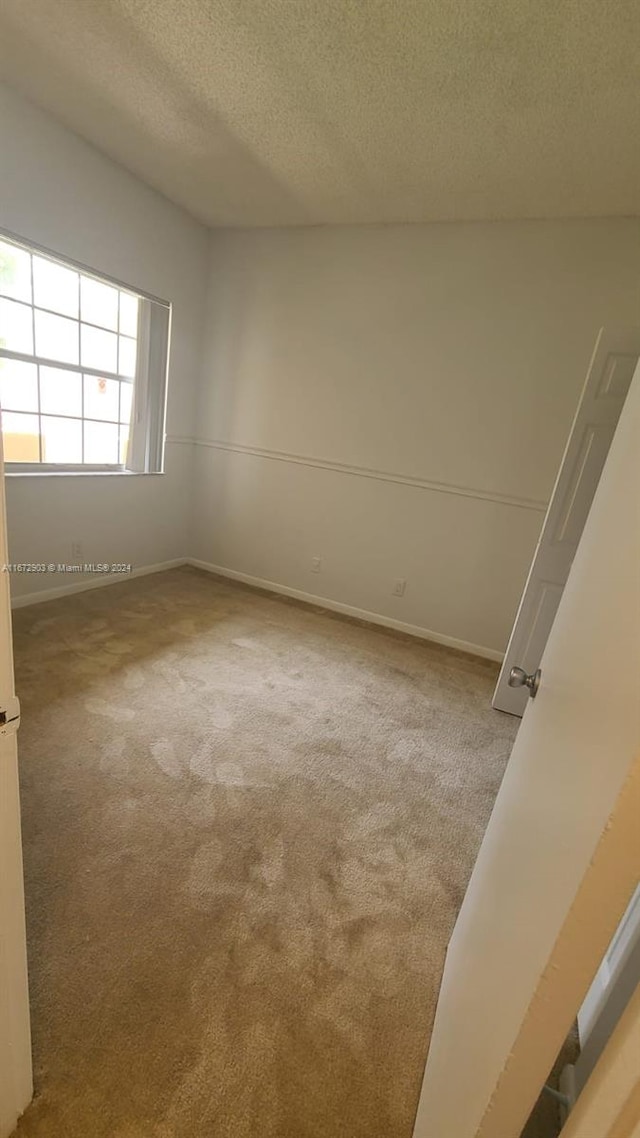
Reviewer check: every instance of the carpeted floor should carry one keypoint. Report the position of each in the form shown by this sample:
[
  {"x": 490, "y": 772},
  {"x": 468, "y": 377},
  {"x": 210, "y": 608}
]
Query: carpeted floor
[{"x": 248, "y": 829}]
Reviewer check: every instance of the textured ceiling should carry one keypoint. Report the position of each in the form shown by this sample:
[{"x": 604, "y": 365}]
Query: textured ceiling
[{"x": 288, "y": 112}]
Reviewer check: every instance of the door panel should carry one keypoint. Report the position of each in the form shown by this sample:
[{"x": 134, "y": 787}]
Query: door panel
[
  {"x": 561, "y": 855},
  {"x": 544, "y": 601},
  {"x": 612, "y": 365},
  {"x": 581, "y": 486}
]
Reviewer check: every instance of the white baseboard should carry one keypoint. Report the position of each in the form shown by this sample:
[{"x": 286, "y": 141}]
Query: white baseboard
[
  {"x": 83, "y": 585},
  {"x": 350, "y": 610}
]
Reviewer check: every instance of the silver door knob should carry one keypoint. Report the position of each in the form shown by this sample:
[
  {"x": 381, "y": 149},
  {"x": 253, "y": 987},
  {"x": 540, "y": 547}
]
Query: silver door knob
[{"x": 518, "y": 678}]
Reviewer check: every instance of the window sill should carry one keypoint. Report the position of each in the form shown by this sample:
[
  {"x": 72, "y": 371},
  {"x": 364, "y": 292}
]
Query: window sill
[{"x": 84, "y": 473}]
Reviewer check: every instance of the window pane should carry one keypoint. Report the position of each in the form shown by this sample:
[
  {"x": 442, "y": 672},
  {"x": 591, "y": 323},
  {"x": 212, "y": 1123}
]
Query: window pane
[
  {"x": 99, "y": 303},
  {"x": 16, "y": 329},
  {"x": 56, "y": 338},
  {"x": 15, "y": 272},
  {"x": 126, "y": 396},
  {"x": 101, "y": 443},
  {"x": 20, "y": 438},
  {"x": 55, "y": 287},
  {"x": 124, "y": 444},
  {"x": 128, "y": 314},
  {"x": 18, "y": 386},
  {"x": 99, "y": 349},
  {"x": 60, "y": 391},
  {"x": 128, "y": 357},
  {"x": 101, "y": 398},
  {"x": 61, "y": 440}
]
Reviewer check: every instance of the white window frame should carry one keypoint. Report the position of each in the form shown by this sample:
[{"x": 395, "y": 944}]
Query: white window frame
[{"x": 148, "y": 416}]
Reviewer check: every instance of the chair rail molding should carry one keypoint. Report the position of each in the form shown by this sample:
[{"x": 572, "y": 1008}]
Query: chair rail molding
[{"x": 362, "y": 472}]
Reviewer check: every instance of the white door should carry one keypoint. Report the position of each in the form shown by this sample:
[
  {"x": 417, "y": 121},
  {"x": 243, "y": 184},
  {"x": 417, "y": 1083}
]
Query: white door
[
  {"x": 561, "y": 855},
  {"x": 15, "y": 1043},
  {"x": 612, "y": 366}
]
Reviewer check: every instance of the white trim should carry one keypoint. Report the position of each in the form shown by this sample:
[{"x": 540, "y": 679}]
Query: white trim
[
  {"x": 349, "y": 610},
  {"x": 364, "y": 472},
  {"x": 83, "y": 586}
]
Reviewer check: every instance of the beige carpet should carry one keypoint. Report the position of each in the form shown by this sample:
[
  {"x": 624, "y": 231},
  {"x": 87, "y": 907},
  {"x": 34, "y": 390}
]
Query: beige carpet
[{"x": 248, "y": 829}]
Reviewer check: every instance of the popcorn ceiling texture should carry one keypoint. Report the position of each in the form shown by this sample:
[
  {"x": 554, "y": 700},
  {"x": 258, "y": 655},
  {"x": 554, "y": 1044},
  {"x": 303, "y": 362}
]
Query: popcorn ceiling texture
[
  {"x": 248, "y": 827},
  {"x": 291, "y": 112}
]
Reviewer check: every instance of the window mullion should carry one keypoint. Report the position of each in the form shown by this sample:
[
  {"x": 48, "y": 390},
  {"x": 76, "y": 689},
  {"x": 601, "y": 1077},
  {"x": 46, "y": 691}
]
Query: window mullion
[
  {"x": 44, "y": 361},
  {"x": 61, "y": 315}
]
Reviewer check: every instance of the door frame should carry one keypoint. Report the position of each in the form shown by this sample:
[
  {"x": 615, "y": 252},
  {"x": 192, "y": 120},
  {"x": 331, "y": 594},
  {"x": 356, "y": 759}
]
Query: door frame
[
  {"x": 560, "y": 859},
  {"x": 600, "y": 903},
  {"x": 610, "y": 1103},
  {"x": 16, "y": 1079}
]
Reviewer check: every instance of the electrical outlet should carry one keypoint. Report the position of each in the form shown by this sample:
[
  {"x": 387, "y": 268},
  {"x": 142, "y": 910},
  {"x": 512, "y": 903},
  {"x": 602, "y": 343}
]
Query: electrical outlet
[
  {"x": 399, "y": 586},
  {"x": 316, "y": 564},
  {"x": 76, "y": 550}
]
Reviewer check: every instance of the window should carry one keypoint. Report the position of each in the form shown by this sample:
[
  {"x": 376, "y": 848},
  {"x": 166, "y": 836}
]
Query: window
[{"x": 83, "y": 363}]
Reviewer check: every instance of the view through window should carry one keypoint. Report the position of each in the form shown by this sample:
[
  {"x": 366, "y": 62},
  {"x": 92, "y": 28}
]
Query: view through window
[{"x": 70, "y": 356}]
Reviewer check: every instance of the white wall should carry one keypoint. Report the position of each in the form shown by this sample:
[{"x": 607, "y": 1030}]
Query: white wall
[
  {"x": 396, "y": 400},
  {"x": 59, "y": 192}
]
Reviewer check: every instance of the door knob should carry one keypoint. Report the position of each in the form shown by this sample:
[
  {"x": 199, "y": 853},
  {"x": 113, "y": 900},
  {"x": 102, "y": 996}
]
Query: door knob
[{"x": 518, "y": 678}]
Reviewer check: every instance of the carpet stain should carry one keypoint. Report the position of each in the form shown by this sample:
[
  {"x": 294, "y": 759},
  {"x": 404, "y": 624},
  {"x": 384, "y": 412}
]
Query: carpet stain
[{"x": 248, "y": 827}]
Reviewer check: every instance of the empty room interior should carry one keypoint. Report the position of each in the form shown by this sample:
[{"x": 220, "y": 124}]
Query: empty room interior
[{"x": 319, "y": 325}]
